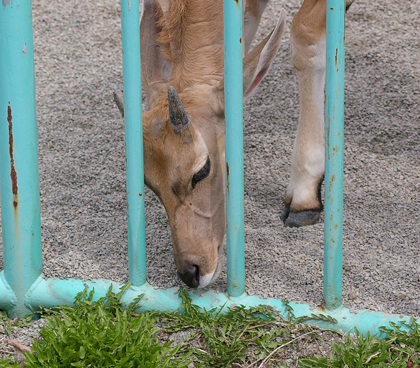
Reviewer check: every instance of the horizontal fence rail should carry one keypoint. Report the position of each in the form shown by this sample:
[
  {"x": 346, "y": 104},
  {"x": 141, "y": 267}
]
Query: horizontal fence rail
[{"x": 23, "y": 289}]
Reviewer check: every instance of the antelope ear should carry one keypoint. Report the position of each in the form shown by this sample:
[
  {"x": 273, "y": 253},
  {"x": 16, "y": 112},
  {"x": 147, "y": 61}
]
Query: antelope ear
[
  {"x": 258, "y": 61},
  {"x": 154, "y": 66}
]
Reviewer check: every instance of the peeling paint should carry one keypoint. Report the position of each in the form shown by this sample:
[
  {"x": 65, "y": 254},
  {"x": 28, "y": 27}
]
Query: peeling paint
[
  {"x": 335, "y": 301},
  {"x": 5, "y": 3},
  {"x": 336, "y": 59},
  {"x": 227, "y": 176},
  {"x": 327, "y": 133},
  {"x": 331, "y": 186},
  {"x": 25, "y": 50},
  {"x": 13, "y": 174}
]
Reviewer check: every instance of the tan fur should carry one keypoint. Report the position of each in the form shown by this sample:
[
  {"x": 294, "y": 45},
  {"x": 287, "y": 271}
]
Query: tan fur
[
  {"x": 308, "y": 56},
  {"x": 253, "y": 8},
  {"x": 182, "y": 47},
  {"x": 310, "y": 21},
  {"x": 191, "y": 41}
]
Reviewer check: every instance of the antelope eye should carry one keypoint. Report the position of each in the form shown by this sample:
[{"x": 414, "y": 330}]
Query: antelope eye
[{"x": 204, "y": 171}]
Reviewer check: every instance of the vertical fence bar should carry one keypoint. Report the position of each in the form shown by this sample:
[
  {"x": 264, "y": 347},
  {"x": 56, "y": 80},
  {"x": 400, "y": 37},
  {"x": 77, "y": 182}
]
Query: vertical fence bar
[
  {"x": 130, "y": 25},
  {"x": 234, "y": 147},
  {"x": 19, "y": 176},
  {"x": 334, "y": 155}
]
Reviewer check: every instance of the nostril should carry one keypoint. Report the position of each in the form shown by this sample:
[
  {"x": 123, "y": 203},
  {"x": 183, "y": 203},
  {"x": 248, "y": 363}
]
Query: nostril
[{"x": 191, "y": 277}]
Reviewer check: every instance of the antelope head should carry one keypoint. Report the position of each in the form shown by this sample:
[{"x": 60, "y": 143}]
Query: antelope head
[{"x": 183, "y": 134}]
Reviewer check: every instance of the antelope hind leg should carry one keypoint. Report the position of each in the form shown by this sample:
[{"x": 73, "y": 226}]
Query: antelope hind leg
[{"x": 302, "y": 204}]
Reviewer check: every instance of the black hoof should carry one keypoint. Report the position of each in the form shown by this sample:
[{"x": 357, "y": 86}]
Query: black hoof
[
  {"x": 285, "y": 214},
  {"x": 302, "y": 218}
]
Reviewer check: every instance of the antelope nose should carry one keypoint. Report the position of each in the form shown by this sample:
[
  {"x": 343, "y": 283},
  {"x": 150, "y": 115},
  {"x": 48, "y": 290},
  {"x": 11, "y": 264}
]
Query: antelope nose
[{"x": 191, "y": 277}]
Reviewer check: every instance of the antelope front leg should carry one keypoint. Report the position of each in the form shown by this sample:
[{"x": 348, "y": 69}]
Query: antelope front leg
[{"x": 302, "y": 204}]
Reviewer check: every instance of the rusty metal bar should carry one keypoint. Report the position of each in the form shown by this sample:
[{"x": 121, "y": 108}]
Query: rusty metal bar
[
  {"x": 234, "y": 148},
  {"x": 19, "y": 177},
  {"x": 130, "y": 25},
  {"x": 334, "y": 155}
]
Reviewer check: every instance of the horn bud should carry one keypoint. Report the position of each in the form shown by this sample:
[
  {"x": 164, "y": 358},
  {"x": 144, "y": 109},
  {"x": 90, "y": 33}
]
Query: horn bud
[{"x": 177, "y": 115}]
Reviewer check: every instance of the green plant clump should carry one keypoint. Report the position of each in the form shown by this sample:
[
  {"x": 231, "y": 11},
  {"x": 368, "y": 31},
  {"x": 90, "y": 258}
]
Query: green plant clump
[
  {"x": 400, "y": 349},
  {"x": 9, "y": 363},
  {"x": 232, "y": 336},
  {"x": 101, "y": 334}
]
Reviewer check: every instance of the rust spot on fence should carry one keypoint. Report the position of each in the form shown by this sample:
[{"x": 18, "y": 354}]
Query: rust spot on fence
[
  {"x": 240, "y": 40},
  {"x": 327, "y": 135},
  {"x": 331, "y": 186},
  {"x": 227, "y": 176},
  {"x": 336, "y": 58},
  {"x": 13, "y": 174}
]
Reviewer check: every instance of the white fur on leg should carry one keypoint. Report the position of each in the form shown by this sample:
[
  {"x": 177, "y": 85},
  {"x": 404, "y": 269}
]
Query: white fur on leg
[{"x": 308, "y": 165}]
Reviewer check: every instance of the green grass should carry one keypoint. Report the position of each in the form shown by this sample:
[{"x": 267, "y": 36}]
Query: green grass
[
  {"x": 103, "y": 334},
  {"x": 401, "y": 349}
]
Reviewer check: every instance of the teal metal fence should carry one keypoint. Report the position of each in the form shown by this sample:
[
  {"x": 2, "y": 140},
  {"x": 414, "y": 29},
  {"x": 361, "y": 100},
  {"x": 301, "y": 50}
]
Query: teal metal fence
[{"x": 23, "y": 289}]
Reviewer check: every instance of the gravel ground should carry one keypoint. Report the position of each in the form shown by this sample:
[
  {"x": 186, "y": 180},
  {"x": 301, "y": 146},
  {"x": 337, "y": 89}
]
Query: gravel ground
[{"x": 81, "y": 160}]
